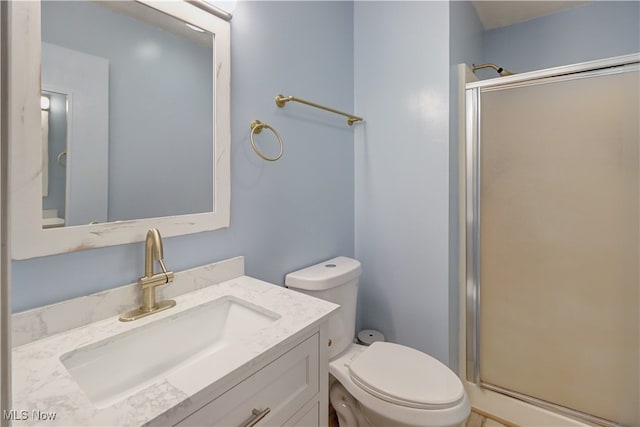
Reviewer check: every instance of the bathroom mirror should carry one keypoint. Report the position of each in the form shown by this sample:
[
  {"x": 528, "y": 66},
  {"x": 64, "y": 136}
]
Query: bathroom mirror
[{"x": 147, "y": 118}]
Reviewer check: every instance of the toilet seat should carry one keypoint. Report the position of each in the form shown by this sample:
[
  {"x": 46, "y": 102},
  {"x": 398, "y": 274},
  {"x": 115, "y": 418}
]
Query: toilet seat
[
  {"x": 406, "y": 377},
  {"x": 401, "y": 415}
]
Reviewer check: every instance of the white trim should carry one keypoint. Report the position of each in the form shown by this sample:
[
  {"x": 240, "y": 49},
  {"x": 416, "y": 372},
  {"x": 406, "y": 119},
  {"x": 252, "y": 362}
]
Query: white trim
[
  {"x": 516, "y": 411},
  {"x": 616, "y": 69},
  {"x": 29, "y": 238},
  {"x": 213, "y": 9},
  {"x": 558, "y": 71}
]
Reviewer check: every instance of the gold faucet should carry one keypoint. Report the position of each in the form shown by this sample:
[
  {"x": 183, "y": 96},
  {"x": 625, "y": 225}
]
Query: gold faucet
[{"x": 152, "y": 252}]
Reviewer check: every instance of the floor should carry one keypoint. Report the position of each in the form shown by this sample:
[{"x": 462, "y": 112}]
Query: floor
[
  {"x": 477, "y": 420},
  {"x": 333, "y": 417}
]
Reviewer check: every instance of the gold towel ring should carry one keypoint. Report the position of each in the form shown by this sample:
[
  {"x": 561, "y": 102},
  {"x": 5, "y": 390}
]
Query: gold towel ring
[{"x": 256, "y": 127}]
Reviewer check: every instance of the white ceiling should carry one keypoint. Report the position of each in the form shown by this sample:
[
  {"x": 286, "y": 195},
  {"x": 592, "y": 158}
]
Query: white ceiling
[{"x": 495, "y": 14}]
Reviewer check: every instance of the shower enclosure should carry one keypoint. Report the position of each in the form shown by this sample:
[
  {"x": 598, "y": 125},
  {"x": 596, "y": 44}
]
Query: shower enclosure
[{"x": 552, "y": 239}]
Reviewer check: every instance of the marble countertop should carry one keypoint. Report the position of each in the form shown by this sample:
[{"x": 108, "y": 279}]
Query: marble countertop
[{"x": 43, "y": 389}]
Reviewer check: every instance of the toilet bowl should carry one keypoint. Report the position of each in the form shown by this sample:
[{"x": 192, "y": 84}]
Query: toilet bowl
[
  {"x": 384, "y": 384},
  {"x": 402, "y": 394}
]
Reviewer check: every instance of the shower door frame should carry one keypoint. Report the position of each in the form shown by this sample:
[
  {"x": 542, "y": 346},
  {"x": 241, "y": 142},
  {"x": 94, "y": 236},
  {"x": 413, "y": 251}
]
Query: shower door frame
[{"x": 485, "y": 396}]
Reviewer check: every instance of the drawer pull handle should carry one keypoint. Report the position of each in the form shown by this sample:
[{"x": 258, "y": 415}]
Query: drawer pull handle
[{"x": 256, "y": 416}]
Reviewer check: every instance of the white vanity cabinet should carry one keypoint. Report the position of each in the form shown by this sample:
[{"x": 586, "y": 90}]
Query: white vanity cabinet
[
  {"x": 261, "y": 350},
  {"x": 289, "y": 391}
]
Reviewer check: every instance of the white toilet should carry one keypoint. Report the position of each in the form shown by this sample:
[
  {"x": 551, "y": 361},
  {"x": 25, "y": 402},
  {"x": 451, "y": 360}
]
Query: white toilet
[{"x": 384, "y": 384}]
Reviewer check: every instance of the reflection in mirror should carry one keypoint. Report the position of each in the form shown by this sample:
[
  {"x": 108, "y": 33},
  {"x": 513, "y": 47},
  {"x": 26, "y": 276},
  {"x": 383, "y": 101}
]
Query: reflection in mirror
[
  {"x": 139, "y": 89},
  {"x": 54, "y": 149}
]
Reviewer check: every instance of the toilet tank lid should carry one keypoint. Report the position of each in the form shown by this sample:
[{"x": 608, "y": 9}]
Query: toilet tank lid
[{"x": 325, "y": 275}]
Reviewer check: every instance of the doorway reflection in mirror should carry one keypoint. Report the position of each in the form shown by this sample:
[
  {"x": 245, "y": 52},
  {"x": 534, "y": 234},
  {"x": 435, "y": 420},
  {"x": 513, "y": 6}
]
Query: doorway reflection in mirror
[{"x": 54, "y": 145}]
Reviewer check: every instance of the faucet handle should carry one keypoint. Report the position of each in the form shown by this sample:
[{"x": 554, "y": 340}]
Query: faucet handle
[
  {"x": 167, "y": 274},
  {"x": 161, "y": 262}
]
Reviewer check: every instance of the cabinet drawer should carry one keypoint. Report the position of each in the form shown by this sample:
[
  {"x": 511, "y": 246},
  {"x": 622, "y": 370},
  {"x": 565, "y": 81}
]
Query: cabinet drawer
[{"x": 283, "y": 386}]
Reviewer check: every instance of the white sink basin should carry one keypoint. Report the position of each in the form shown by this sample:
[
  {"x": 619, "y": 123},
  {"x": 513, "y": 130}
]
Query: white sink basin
[{"x": 111, "y": 369}]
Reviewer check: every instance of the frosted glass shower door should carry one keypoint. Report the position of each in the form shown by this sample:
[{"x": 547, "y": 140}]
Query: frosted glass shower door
[{"x": 559, "y": 224}]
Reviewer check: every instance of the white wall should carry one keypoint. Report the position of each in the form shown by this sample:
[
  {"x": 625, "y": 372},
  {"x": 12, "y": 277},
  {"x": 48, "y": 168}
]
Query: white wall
[{"x": 402, "y": 171}]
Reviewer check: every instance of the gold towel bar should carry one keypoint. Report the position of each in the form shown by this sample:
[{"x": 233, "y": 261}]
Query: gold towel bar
[{"x": 281, "y": 100}]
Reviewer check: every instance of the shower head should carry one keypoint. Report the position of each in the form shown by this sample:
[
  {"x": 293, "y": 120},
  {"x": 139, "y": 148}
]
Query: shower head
[{"x": 499, "y": 70}]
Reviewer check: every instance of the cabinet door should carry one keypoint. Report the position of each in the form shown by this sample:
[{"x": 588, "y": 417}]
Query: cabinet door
[
  {"x": 282, "y": 387},
  {"x": 309, "y": 416}
]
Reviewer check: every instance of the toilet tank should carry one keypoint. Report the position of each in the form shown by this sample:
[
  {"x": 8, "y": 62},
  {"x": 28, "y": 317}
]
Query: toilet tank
[{"x": 335, "y": 280}]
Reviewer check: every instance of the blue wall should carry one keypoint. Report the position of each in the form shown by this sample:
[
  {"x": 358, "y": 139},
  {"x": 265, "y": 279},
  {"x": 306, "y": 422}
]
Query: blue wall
[
  {"x": 302, "y": 209},
  {"x": 402, "y": 171},
  {"x": 596, "y": 30},
  {"x": 284, "y": 215}
]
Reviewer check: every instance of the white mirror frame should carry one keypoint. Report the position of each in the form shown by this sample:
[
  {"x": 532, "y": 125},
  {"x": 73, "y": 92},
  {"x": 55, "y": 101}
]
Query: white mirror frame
[{"x": 29, "y": 239}]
